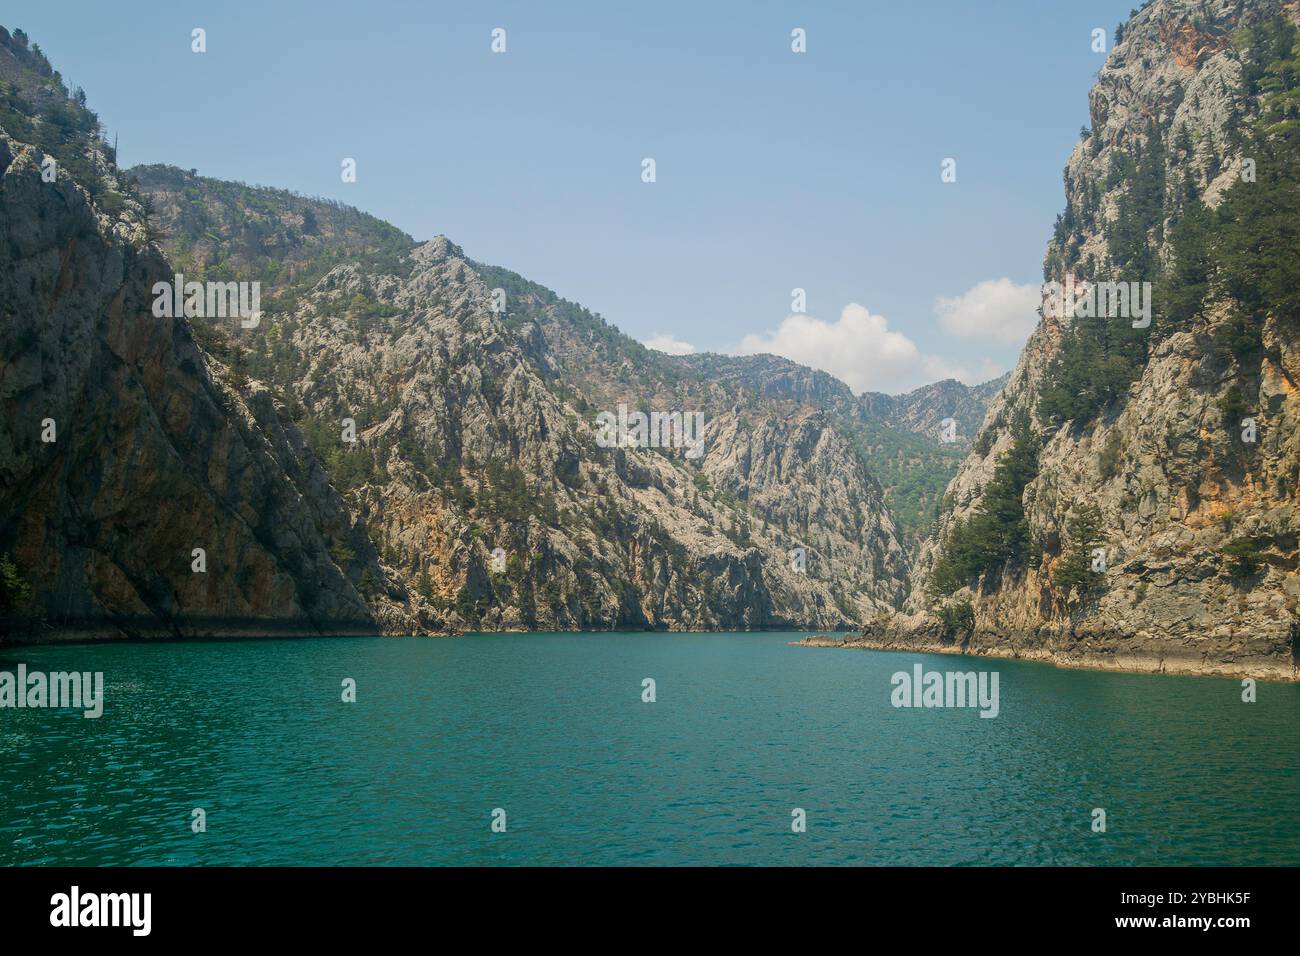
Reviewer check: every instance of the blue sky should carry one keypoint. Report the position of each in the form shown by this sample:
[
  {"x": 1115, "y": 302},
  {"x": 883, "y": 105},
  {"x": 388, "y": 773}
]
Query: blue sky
[{"x": 775, "y": 170}]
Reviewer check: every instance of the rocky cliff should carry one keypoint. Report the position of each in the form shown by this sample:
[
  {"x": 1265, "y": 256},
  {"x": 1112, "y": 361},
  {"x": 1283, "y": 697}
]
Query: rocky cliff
[
  {"x": 1131, "y": 501},
  {"x": 463, "y": 429},
  {"x": 923, "y": 410},
  {"x": 121, "y": 453},
  {"x": 901, "y": 437}
]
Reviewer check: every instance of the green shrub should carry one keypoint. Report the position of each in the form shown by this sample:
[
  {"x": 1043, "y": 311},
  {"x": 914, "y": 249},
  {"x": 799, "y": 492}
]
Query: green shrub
[
  {"x": 1245, "y": 555},
  {"x": 15, "y": 592},
  {"x": 1234, "y": 408},
  {"x": 958, "y": 617},
  {"x": 1109, "y": 459}
]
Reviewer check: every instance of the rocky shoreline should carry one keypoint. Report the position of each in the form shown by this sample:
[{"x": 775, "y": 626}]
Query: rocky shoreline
[
  {"x": 144, "y": 628},
  {"x": 1081, "y": 653}
]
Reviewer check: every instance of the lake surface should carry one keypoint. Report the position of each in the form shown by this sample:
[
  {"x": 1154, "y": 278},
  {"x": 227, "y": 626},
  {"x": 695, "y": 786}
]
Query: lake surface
[{"x": 552, "y": 729}]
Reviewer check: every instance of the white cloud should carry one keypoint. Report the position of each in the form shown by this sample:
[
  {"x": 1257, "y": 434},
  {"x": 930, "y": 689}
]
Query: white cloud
[
  {"x": 995, "y": 309},
  {"x": 666, "y": 343},
  {"x": 859, "y": 349}
]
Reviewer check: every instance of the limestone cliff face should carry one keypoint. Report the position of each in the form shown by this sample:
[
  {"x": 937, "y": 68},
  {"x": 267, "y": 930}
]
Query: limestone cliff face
[
  {"x": 1198, "y": 525},
  {"x": 474, "y": 462},
  {"x": 120, "y": 451},
  {"x": 782, "y": 464},
  {"x": 151, "y": 456},
  {"x": 900, "y": 438},
  {"x": 920, "y": 411},
  {"x": 924, "y": 409}
]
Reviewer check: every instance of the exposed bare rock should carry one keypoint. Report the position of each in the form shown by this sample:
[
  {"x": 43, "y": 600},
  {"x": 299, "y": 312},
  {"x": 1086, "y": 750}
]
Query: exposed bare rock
[
  {"x": 1199, "y": 526},
  {"x": 470, "y": 446},
  {"x": 153, "y": 456}
]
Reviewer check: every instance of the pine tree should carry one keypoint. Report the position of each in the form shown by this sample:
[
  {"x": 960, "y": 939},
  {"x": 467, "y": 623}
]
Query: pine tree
[{"x": 1074, "y": 572}]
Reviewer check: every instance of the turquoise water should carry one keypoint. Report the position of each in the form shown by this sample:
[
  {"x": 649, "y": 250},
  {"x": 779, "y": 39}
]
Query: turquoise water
[{"x": 551, "y": 728}]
